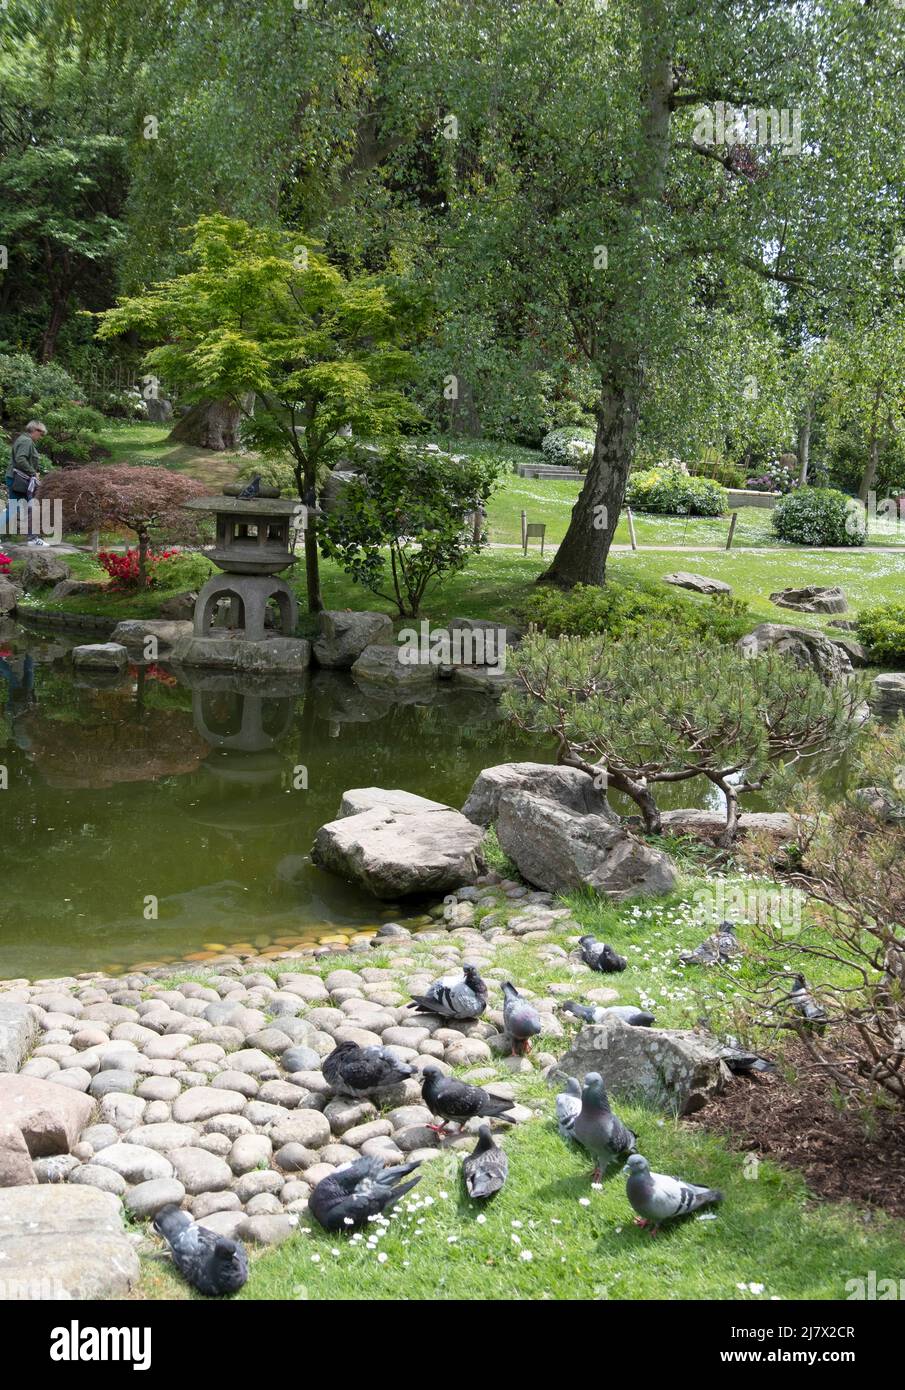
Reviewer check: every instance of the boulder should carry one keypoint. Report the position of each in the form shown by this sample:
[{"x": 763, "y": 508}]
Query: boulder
[
  {"x": 359, "y": 799},
  {"x": 160, "y": 410},
  {"x": 562, "y": 851},
  {"x": 63, "y": 1242},
  {"x": 42, "y": 568},
  {"x": 51, "y": 1117},
  {"x": 273, "y": 656},
  {"x": 394, "y": 854},
  {"x": 483, "y": 680},
  {"x": 345, "y": 635},
  {"x": 487, "y": 644},
  {"x": 856, "y": 652},
  {"x": 881, "y": 804},
  {"x": 697, "y": 583},
  {"x": 9, "y": 596},
  {"x": 179, "y": 607},
  {"x": 567, "y": 786},
  {"x": 18, "y": 1030},
  {"x": 77, "y": 588},
  {"x": 101, "y": 656},
  {"x": 15, "y": 1160},
  {"x": 806, "y": 648},
  {"x": 380, "y": 665},
  {"x": 710, "y": 825},
  {"x": 673, "y": 1069},
  {"x": 335, "y": 485},
  {"x": 813, "y": 598},
  {"x": 133, "y": 634},
  {"x": 887, "y": 695}
]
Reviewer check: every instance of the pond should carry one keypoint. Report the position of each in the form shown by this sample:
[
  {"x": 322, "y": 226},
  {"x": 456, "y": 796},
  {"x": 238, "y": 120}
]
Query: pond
[{"x": 154, "y": 816}]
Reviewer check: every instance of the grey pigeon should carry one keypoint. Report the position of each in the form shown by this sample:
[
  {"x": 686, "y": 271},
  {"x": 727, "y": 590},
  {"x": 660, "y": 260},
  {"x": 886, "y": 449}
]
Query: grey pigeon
[
  {"x": 251, "y": 489},
  {"x": 454, "y": 996},
  {"x": 486, "y": 1168},
  {"x": 804, "y": 1004},
  {"x": 521, "y": 1020},
  {"x": 658, "y": 1198},
  {"x": 450, "y": 1099},
  {"x": 597, "y": 1129},
  {"x": 350, "y": 1196},
  {"x": 599, "y": 956},
  {"x": 597, "y": 1013},
  {"x": 741, "y": 1060},
  {"x": 719, "y": 947},
  {"x": 568, "y": 1104},
  {"x": 212, "y": 1264},
  {"x": 361, "y": 1072}
]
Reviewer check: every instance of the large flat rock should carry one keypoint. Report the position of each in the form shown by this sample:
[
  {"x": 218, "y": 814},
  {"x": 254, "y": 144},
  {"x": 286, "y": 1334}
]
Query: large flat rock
[
  {"x": 345, "y": 634},
  {"x": 18, "y": 1030},
  {"x": 51, "y": 1117},
  {"x": 62, "y": 1242},
  {"x": 394, "y": 854},
  {"x": 568, "y": 786}
]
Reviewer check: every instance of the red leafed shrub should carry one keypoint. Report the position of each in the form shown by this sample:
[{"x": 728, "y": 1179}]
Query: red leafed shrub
[
  {"x": 149, "y": 501},
  {"x": 124, "y": 567},
  {"x": 5, "y": 563}
]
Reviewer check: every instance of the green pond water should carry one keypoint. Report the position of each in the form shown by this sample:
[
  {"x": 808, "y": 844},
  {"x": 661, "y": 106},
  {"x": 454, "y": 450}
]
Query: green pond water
[{"x": 133, "y": 829}]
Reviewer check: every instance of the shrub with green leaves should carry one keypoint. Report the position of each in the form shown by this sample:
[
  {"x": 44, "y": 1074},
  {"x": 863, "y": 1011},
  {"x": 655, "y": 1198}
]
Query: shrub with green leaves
[
  {"x": 572, "y": 446},
  {"x": 622, "y": 609},
  {"x": 671, "y": 492},
  {"x": 819, "y": 516},
  {"x": 23, "y": 381},
  {"x": 644, "y": 712},
  {"x": 882, "y": 630},
  {"x": 406, "y": 521}
]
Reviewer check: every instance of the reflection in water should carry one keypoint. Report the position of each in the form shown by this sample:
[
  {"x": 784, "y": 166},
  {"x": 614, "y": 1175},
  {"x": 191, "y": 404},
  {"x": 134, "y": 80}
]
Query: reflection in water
[{"x": 152, "y": 813}]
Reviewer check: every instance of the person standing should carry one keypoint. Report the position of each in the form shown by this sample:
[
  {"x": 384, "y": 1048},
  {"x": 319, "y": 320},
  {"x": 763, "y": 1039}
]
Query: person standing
[{"x": 22, "y": 475}]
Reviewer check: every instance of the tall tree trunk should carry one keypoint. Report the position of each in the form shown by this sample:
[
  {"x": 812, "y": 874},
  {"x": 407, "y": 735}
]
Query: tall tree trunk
[
  {"x": 209, "y": 425},
  {"x": 869, "y": 476},
  {"x": 804, "y": 444},
  {"x": 54, "y": 324},
  {"x": 143, "y": 542},
  {"x": 581, "y": 559}
]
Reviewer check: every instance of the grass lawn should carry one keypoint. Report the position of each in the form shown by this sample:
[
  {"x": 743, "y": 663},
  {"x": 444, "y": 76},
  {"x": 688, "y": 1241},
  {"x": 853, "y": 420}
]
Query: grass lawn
[
  {"x": 550, "y": 1234},
  {"x": 136, "y": 442}
]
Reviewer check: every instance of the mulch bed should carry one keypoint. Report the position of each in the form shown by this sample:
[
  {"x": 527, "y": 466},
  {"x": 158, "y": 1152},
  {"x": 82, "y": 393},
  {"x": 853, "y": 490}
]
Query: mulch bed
[{"x": 852, "y": 1154}]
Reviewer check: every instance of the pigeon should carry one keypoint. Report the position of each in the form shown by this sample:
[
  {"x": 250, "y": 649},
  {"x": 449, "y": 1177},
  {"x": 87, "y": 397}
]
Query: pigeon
[
  {"x": 212, "y": 1264},
  {"x": 716, "y": 948},
  {"x": 597, "y": 1129},
  {"x": 361, "y": 1072},
  {"x": 741, "y": 1061},
  {"x": 521, "y": 1020},
  {"x": 636, "y": 1018},
  {"x": 568, "y": 1104},
  {"x": 450, "y": 1099},
  {"x": 486, "y": 1168},
  {"x": 350, "y": 1196},
  {"x": 454, "y": 996},
  {"x": 599, "y": 956},
  {"x": 251, "y": 489},
  {"x": 804, "y": 1004},
  {"x": 658, "y": 1198}
]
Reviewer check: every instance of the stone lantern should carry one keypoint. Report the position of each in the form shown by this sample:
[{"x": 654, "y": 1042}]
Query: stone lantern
[{"x": 254, "y": 543}]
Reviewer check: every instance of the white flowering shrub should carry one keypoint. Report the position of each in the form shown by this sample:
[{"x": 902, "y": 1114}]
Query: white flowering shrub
[
  {"x": 819, "y": 516},
  {"x": 572, "y": 446}
]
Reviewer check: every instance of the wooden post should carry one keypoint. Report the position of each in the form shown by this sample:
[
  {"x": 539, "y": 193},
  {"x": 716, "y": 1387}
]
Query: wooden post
[
  {"x": 731, "y": 530},
  {"x": 524, "y": 533},
  {"x": 631, "y": 528}
]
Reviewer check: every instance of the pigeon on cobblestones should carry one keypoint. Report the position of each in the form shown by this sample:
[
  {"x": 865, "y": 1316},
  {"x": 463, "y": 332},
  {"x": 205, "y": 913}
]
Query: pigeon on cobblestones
[
  {"x": 361, "y": 1072},
  {"x": 521, "y": 1020},
  {"x": 212, "y": 1264},
  {"x": 454, "y": 996}
]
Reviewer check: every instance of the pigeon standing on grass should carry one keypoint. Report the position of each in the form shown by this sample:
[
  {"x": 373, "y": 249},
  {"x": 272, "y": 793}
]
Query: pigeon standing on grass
[
  {"x": 634, "y": 1017},
  {"x": 658, "y": 1198},
  {"x": 568, "y": 1104},
  {"x": 598, "y": 1130},
  {"x": 348, "y": 1198},
  {"x": 454, "y": 996},
  {"x": 486, "y": 1168},
  {"x": 361, "y": 1072},
  {"x": 717, "y": 948},
  {"x": 521, "y": 1020},
  {"x": 599, "y": 956},
  {"x": 212, "y": 1264},
  {"x": 450, "y": 1099},
  {"x": 805, "y": 1005}
]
